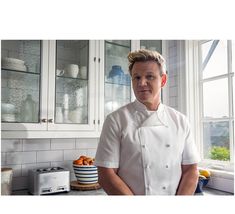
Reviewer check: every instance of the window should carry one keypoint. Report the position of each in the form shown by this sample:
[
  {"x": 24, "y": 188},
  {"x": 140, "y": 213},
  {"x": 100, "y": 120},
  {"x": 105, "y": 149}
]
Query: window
[{"x": 216, "y": 116}]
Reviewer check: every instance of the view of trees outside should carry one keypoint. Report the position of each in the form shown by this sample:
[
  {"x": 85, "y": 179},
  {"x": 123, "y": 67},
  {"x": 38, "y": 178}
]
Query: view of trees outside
[{"x": 216, "y": 140}]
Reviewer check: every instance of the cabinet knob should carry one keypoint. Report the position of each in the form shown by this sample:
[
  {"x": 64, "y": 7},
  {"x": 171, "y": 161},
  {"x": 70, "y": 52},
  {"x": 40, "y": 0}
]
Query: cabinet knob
[
  {"x": 50, "y": 120},
  {"x": 43, "y": 120}
]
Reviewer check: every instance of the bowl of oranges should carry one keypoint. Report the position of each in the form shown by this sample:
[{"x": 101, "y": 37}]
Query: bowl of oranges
[{"x": 85, "y": 170}]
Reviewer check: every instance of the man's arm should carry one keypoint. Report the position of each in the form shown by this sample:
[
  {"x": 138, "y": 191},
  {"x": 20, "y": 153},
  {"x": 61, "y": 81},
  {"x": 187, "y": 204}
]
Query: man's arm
[
  {"x": 189, "y": 179},
  {"x": 112, "y": 183}
]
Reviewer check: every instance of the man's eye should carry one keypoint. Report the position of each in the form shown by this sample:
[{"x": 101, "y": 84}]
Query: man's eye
[
  {"x": 150, "y": 77},
  {"x": 136, "y": 78}
]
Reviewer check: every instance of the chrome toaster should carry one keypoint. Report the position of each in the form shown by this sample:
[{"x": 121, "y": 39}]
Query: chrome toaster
[{"x": 49, "y": 180}]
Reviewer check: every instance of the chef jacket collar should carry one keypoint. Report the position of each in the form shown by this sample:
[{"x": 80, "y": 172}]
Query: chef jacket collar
[{"x": 160, "y": 112}]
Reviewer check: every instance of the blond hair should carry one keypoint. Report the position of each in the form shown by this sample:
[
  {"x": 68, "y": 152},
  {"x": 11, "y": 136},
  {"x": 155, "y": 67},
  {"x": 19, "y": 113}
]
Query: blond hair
[{"x": 144, "y": 55}]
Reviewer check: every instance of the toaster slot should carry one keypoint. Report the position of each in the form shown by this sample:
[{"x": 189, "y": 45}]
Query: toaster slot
[
  {"x": 61, "y": 188},
  {"x": 46, "y": 190}
]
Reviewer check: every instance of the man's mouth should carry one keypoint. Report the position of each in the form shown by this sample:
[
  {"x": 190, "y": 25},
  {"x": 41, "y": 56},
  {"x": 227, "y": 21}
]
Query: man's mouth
[{"x": 143, "y": 91}]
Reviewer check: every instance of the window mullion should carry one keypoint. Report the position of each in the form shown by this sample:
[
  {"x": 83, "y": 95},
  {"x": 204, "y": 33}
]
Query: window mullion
[{"x": 230, "y": 94}]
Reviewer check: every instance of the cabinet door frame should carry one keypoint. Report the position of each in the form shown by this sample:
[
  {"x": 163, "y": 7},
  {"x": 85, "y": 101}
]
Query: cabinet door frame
[
  {"x": 101, "y": 81},
  {"x": 43, "y": 100},
  {"x": 91, "y": 91}
]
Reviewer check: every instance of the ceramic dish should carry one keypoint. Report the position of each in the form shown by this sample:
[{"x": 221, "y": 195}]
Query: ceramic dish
[
  {"x": 86, "y": 174},
  {"x": 7, "y": 108}
]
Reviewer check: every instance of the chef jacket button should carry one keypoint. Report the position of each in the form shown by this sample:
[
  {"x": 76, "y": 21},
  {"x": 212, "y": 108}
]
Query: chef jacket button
[
  {"x": 168, "y": 145},
  {"x": 163, "y": 187},
  {"x": 147, "y": 187},
  {"x": 143, "y": 146},
  {"x": 167, "y": 166},
  {"x": 147, "y": 166}
]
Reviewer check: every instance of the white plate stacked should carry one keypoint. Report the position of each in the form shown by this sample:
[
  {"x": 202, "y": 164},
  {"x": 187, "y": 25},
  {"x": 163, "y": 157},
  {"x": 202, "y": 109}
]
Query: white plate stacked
[
  {"x": 8, "y": 112},
  {"x": 8, "y": 118},
  {"x": 13, "y": 64},
  {"x": 86, "y": 174}
]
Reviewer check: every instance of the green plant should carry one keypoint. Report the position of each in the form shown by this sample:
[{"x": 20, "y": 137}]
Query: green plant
[{"x": 219, "y": 153}]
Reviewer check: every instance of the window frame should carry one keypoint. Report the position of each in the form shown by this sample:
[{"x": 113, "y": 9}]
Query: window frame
[
  {"x": 194, "y": 84},
  {"x": 193, "y": 90},
  {"x": 229, "y": 74}
]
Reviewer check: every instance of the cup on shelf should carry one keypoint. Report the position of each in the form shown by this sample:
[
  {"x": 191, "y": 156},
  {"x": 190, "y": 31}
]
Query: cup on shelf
[
  {"x": 83, "y": 72},
  {"x": 71, "y": 70}
]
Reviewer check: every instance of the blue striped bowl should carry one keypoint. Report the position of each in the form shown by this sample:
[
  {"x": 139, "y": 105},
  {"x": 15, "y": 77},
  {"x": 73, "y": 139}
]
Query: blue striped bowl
[{"x": 86, "y": 174}]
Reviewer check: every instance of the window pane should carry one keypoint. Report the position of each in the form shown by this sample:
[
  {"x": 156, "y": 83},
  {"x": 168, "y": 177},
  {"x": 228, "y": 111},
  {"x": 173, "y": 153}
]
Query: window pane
[
  {"x": 117, "y": 77},
  {"x": 216, "y": 140},
  {"x": 20, "y": 81},
  {"x": 155, "y": 45},
  {"x": 217, "y": 60},
  {"x": 215, "y": 98},
  {"x": 72, "y": 81}
]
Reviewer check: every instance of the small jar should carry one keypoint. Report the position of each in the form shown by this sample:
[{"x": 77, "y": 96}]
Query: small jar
[{"x": 6, "y": 181}]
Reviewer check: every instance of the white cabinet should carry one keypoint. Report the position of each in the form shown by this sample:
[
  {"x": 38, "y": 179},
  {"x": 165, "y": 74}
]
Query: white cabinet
[
  {"x": 69, "y": 86},
  {"x": 64, "y": 88}
]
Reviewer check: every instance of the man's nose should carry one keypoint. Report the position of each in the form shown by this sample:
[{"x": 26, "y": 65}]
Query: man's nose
[{"x": 142, "y": 81}]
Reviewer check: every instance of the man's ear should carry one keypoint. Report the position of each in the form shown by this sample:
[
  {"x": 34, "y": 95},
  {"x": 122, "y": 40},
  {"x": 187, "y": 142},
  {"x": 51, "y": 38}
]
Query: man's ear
[{"x": 164, "y": 79}]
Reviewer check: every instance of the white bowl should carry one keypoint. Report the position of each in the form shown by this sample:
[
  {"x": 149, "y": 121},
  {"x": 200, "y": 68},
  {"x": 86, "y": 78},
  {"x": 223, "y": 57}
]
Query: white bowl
[
  {"x": 7, "y": 108},
  {"x": 86, "y": 174}
]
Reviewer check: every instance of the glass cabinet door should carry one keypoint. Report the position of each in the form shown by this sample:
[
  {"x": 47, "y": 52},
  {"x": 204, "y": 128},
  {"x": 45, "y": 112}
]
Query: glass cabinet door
[
  {"x": 20, "y": 81},
  {"x": 117, "y": 78},
  {"x": 72, "y": 78}
]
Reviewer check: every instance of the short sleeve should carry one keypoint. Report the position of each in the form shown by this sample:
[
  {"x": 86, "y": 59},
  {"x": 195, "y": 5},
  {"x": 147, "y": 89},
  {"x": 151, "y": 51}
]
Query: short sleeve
[
  {"x": 108, "y": 150},
  {"x": 190, "y": 152}
]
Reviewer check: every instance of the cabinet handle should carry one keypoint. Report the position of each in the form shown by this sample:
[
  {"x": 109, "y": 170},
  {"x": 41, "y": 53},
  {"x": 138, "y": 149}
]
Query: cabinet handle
[
  {"x": 50, "y": 120},
  {"x": 94, "y": 59},
  {"x": 43, "y": 120},
  {"x": 99, "y": 60},
  {"x": 99, "y": 122},
  {"x": 93, "y": 121}
]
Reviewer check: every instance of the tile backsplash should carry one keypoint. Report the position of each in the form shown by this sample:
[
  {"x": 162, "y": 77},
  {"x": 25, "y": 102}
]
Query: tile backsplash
[{"x": 24, "y": 154}]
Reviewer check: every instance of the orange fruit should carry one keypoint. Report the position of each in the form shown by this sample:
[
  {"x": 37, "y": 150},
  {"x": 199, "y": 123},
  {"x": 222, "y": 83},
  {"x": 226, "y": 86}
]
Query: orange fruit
[{"x": 205, "y": 173}]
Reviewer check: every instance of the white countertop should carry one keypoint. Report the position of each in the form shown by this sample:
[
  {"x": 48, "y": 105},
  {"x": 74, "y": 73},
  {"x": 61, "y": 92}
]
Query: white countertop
[{"x": 206, "y": 192}]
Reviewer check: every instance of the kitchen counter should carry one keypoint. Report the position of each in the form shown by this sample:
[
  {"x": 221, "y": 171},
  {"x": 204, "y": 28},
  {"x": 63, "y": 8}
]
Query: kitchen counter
[
  {"x": 72, "y": 192},
  {"x": 206, "y": 192}
]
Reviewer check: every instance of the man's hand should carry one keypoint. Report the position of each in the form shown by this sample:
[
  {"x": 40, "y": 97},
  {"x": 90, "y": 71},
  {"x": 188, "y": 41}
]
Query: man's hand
[{"x": 112, "y": 183}]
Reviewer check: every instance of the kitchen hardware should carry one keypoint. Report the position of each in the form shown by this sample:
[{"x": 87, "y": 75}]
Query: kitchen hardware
[{"x": 49, "y": 180}]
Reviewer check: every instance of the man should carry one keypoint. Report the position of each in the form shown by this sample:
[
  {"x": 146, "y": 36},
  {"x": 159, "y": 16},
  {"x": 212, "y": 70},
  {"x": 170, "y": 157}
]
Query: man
[{"x": 146, "y": 148}]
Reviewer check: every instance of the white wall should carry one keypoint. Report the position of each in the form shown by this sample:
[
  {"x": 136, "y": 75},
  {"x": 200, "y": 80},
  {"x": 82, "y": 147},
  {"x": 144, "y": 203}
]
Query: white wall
[{"x": 24, "y": 154}]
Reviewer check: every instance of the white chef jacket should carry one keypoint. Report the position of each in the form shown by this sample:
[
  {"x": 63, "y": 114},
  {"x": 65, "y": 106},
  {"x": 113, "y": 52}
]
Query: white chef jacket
[{"x": 147, "y": 148}]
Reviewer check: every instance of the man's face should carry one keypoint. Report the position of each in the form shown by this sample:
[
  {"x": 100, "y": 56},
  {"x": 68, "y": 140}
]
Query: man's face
[{"x": 147, "y": 83}]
